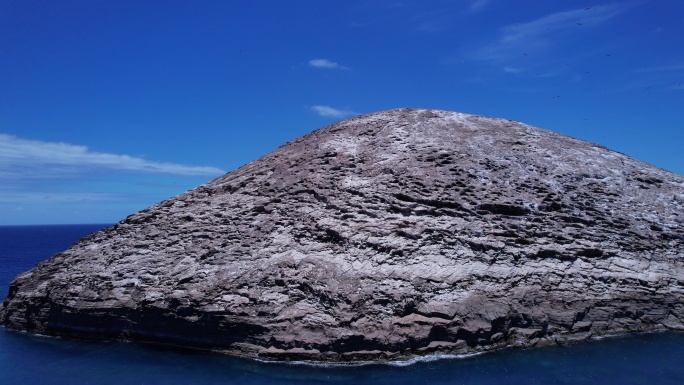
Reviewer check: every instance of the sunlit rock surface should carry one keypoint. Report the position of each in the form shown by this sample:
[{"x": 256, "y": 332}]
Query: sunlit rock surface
[{"x": 385, "y": 236}]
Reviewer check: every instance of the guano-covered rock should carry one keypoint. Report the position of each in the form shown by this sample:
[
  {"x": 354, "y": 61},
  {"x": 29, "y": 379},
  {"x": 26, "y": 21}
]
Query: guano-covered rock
[{"x": 382, "y": 237}]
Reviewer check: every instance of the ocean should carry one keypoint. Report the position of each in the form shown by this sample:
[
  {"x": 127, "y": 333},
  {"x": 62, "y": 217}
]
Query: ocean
[{"x": 653, "y": 358}]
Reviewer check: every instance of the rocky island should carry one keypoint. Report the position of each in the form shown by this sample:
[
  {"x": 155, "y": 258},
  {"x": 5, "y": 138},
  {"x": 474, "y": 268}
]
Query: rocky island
[{"x": 382, "y": 237}]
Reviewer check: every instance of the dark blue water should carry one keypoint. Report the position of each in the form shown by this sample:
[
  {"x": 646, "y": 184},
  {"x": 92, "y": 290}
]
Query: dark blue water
[
  {"x": 656, "y": 358},
  {"x": 21, "y": 247}
]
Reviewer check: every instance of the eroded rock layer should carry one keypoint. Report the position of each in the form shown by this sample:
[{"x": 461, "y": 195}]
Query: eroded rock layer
[{"x": 384, "y": 236}]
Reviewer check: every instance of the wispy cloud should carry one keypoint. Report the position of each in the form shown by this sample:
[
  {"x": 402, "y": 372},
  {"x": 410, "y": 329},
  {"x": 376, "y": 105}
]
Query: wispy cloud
[
  {"x": 61, "y": 197},
  {"x": 327, "y": 64},
  {"x": 18, "y": 155},
  {"x": 331, "y": 112},
  {"x": 478, "y": 5},
  {"x": 543, "y": 33},
  {"x": 671, "y": 68},
  {"x": 433, "y": 17},
  {"x": 658, "y": 77},
  {"x": 512, "y": 70}
]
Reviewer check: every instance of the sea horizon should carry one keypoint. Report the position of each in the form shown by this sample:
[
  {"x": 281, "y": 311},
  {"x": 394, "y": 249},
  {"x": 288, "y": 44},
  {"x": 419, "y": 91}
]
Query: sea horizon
[{"x": 58, "y": 224}]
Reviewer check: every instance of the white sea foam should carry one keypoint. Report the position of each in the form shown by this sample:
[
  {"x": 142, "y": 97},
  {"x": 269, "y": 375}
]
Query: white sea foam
[{"x": 397, "y": 363}]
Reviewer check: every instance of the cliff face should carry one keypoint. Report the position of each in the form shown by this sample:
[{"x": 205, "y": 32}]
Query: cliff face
[{"x": 384, "y": 236}]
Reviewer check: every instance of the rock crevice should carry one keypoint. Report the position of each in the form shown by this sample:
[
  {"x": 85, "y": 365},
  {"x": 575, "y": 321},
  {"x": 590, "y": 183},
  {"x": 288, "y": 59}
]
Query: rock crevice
[{"x": 382, "y": 237}]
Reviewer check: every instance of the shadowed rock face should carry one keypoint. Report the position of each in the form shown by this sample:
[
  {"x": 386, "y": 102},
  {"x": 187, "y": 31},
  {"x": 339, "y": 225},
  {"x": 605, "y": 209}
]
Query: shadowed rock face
[{"x": 385, "y": 236}]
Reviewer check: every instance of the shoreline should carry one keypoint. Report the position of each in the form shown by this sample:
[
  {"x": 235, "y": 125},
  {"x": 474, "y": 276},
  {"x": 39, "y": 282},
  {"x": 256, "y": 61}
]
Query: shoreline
[{"x": 400, "y": 362}]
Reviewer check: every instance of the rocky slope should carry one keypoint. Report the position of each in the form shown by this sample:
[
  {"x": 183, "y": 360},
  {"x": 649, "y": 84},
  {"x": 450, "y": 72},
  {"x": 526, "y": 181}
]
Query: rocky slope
[{"x": 384, "y": 236}]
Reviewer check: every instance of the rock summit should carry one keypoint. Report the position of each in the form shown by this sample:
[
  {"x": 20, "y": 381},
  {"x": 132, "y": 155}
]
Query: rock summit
[{"x": 382, "y": 237}]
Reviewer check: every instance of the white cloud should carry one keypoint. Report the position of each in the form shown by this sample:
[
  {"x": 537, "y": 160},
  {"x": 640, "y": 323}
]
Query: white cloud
[
  {"x": 18, "y": 155},
  {"x": 325, "y": 63},
  {"x": 330, "y": 112},
  {"x": 541, "y": 34}
]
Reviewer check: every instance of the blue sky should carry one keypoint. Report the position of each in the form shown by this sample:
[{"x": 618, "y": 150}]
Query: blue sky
[{"x": 107, "y": 107}]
